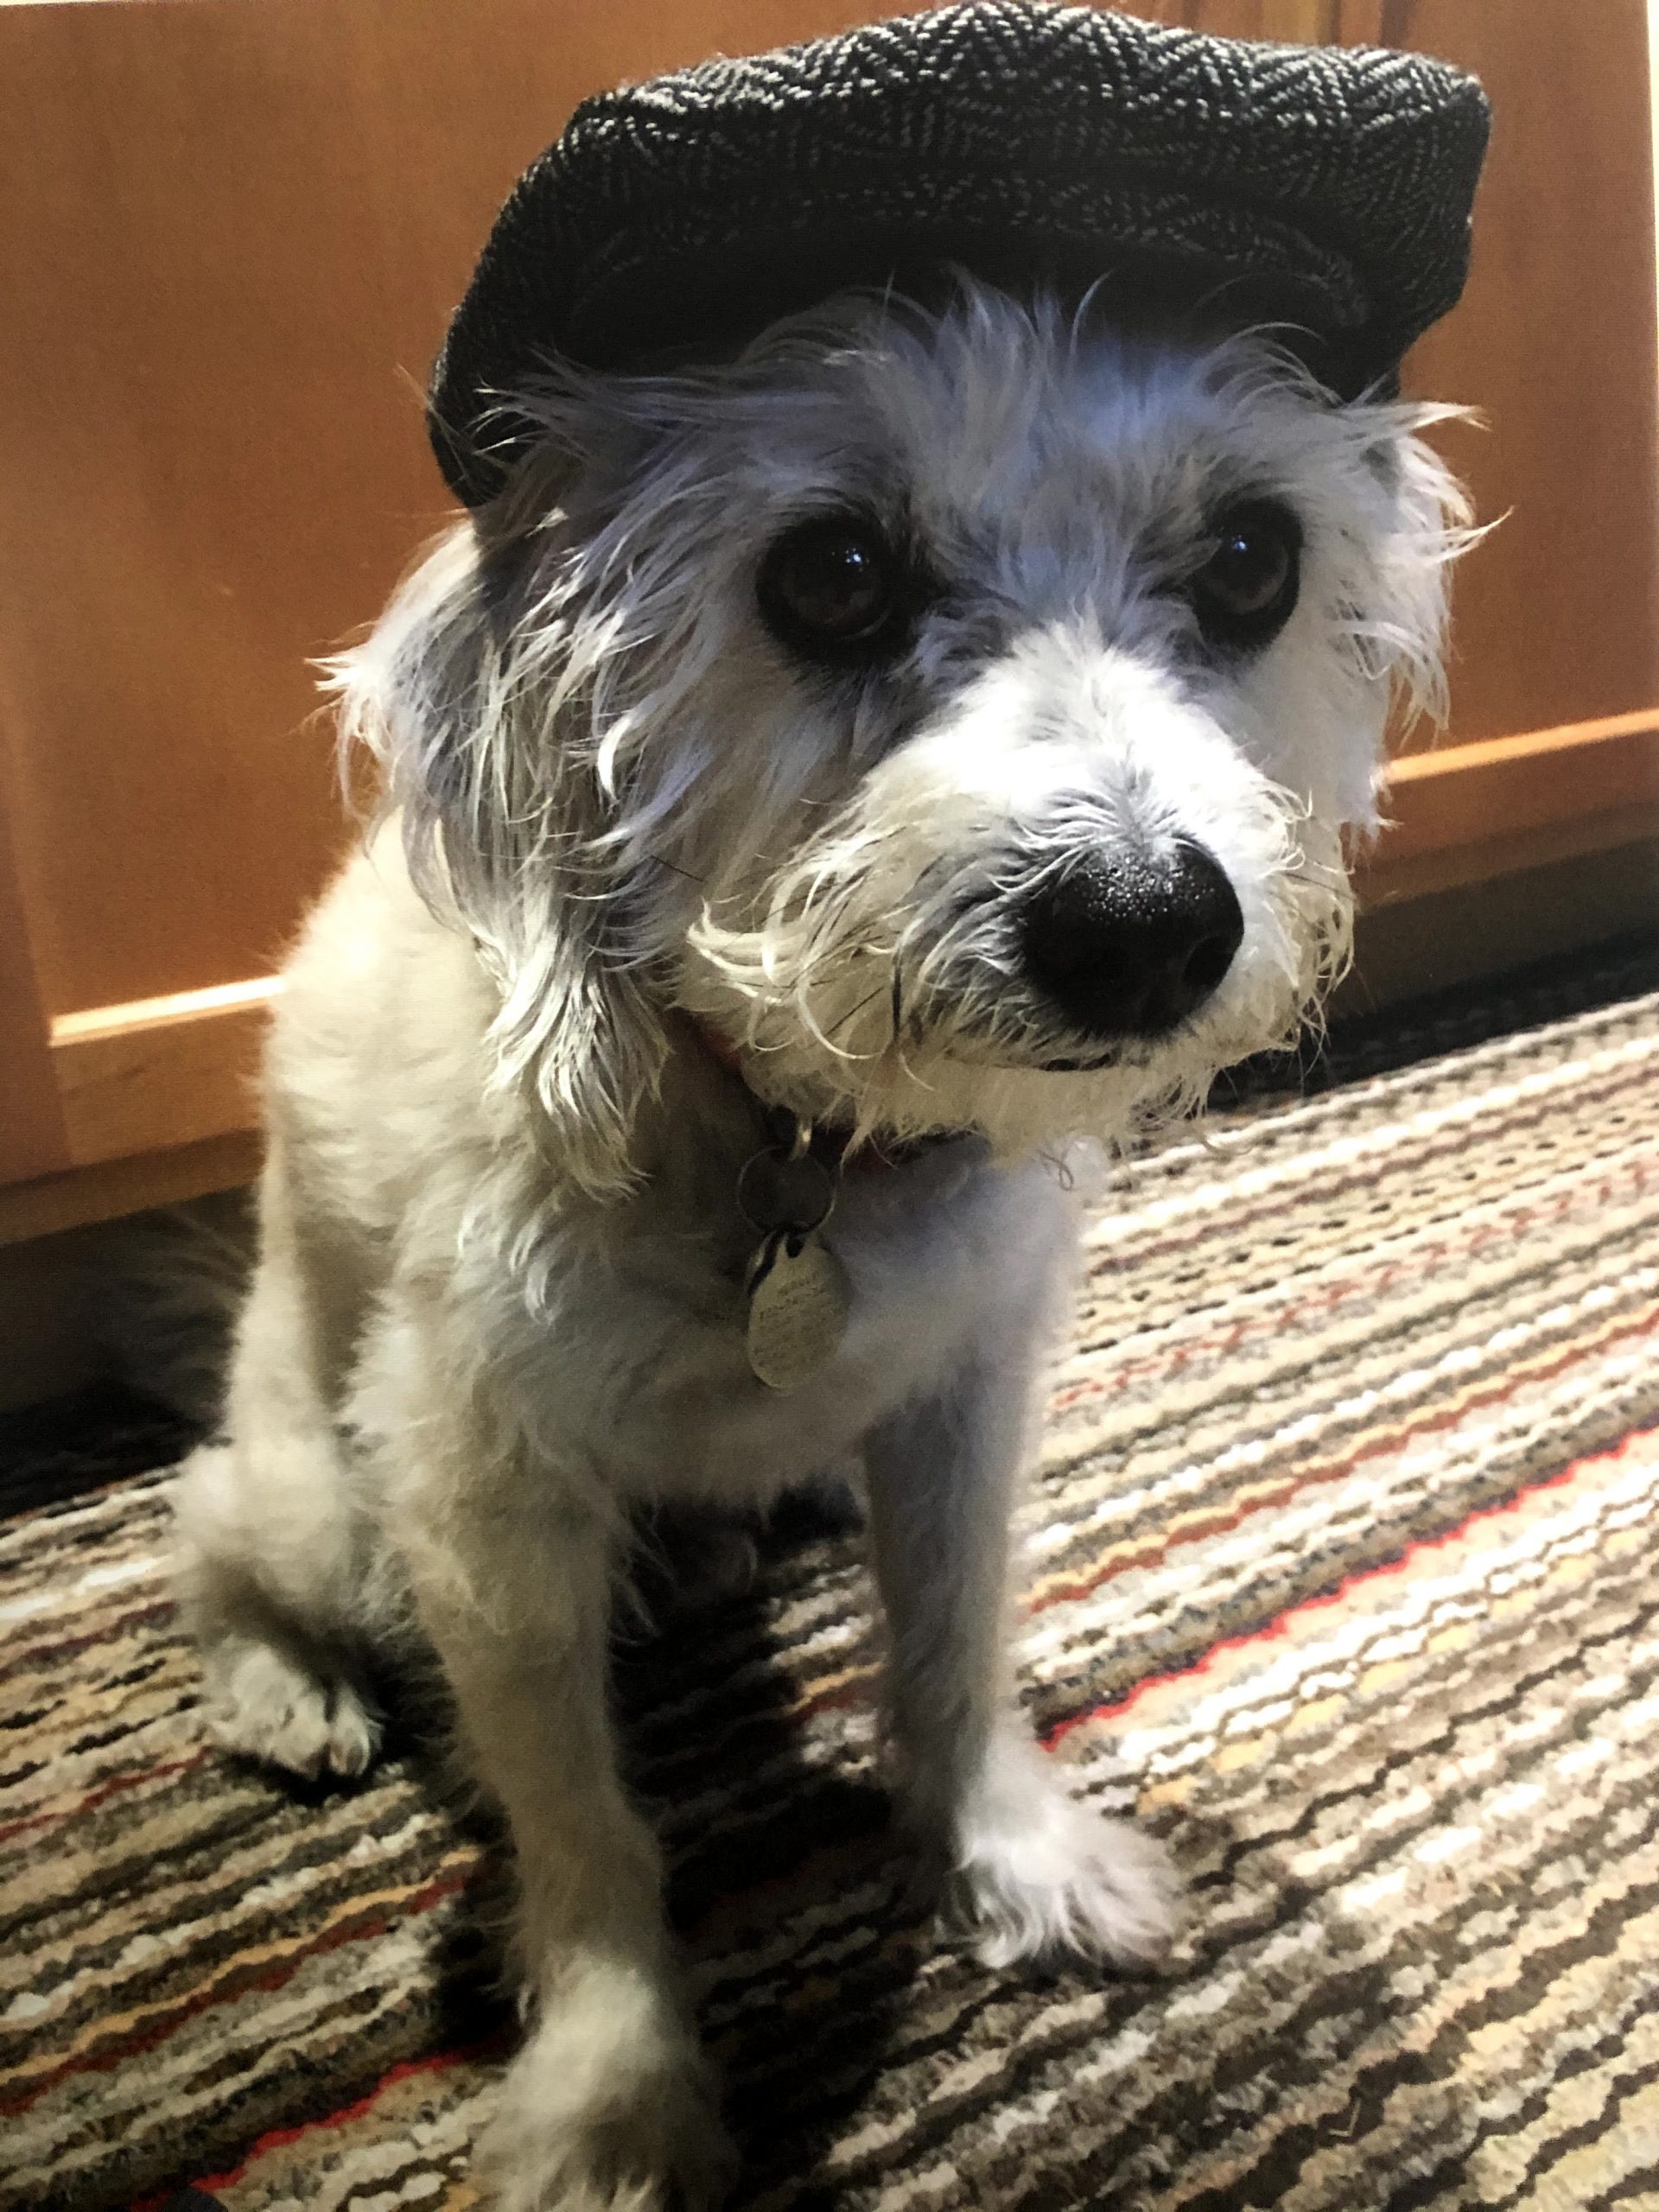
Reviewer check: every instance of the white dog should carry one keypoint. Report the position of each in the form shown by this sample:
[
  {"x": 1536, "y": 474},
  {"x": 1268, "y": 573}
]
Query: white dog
[{"x": 856, "y": 771}]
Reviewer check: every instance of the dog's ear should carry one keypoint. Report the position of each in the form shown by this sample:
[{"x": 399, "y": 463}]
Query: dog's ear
[
  {"x": 1424, "y": 526},
  {"x": 462, "y": 693}
]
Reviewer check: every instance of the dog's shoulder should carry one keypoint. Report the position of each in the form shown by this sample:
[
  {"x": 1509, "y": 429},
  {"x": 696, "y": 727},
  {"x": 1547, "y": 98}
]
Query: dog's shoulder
[{"x": 376, "y": 1067}]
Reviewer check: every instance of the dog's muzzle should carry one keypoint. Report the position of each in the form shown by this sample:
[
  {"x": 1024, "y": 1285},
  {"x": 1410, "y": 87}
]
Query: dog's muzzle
[{"x": 1131, "y": 944}]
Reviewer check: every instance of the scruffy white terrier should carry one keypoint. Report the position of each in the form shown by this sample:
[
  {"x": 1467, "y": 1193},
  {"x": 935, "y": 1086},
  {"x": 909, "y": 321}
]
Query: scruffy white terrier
[{"x": 850, "y": 773}]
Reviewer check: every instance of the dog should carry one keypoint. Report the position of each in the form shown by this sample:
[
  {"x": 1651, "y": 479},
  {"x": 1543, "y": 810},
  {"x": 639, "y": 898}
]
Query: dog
[{"x": 896, "y": 755}]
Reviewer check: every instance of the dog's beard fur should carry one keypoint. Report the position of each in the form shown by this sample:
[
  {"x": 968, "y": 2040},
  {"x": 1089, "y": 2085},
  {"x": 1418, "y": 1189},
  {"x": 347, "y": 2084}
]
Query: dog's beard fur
[{"x": 636, "y": 799}]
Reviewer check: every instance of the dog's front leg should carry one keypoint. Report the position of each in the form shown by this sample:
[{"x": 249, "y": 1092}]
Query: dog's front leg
[
  {"x": 1041, "y": 1874},
  {"x": 607, "y": 2106}
]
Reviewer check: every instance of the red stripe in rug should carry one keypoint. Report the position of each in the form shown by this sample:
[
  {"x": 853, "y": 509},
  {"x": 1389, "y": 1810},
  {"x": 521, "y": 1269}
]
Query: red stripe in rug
[
  {"x": 236, "y": 1984},
  {"x": 64, "y": 1646},
  {"x": 1111, "y": 1707},
  {"x": 92, "y": 1798},
  {"x": 279, "y": 2139},
  {"x": 1292, "y": 1486},
  {"x": 1272, "y": 1320},
  {"x": 1220, "y": 1523},
  {"x": 1524, "y": 1114}
]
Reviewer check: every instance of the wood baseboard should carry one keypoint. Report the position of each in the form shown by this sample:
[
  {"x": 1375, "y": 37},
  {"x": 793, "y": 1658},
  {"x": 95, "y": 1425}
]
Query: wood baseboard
[
  {"x": 112, "y": 1187},
  {"x": 1455, "y": 814},
  {"x": 156, "y": 1074}
]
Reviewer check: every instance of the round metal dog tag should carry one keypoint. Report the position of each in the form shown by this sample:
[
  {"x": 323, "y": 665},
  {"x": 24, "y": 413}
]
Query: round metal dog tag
[{"x": 798, "y": 1300}]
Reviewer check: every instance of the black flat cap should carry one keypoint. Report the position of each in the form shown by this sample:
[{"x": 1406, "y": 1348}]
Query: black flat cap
[{"x": 1326, "y": 186}]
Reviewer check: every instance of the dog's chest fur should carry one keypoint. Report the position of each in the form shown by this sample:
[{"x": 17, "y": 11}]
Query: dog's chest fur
[
  {"x": 943, "y": 1256},
  {"x": 619, "y": 1329}
]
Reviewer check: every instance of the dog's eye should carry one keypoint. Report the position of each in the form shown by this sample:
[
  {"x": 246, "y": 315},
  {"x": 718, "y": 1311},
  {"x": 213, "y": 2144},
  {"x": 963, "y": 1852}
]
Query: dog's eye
[
  {"x": 1246, "y": 590},
  {"x": 830, "y": 588}
]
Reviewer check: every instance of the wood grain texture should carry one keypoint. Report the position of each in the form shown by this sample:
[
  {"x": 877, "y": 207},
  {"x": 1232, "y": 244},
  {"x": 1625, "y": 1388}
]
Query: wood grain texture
[
  {"x": 1558, "y": 612},
  {"x": 233, "y": 238},
  {"x": 33, "y": 1139},
  {"x": 51, "y": 1202},
  {"x": 149, "y": 1083}
]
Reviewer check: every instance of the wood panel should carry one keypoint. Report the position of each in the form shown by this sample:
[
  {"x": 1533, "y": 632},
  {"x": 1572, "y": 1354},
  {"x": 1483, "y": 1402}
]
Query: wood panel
[
  {"x": 1440, "y": 801},
  {"x": 1604, "y": 845},
  {"x": 33, "y": 1139},
  {"x": 1558, "y": 612},
  {"x": 220, "y": 322},
  {"x": 160, "y": 1072},
  {"x": 232, "y": 235},
  {"x": 232, "y": 238},
  {"x": 1511, "y": 803}
]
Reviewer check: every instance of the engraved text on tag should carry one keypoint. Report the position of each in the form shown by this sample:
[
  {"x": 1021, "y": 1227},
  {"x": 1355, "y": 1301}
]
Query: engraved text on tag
[{"x": 798, "y": 1300}]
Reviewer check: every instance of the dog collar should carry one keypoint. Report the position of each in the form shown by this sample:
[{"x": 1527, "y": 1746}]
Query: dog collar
[
  {"x": 798, "y": 1298},
  {"x": 826, "y": 1143},
  {"x": 796, "y": 1288}
]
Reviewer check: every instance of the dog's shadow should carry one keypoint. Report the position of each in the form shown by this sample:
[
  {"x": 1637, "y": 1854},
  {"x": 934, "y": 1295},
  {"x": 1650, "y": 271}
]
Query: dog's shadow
[
  {"x": 797, "y": 1908},
  {"x": 794, "y": 1901}
]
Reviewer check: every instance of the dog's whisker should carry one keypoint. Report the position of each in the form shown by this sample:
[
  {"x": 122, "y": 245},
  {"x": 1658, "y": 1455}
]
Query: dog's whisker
[
  {"x": 852, "y": 1014},
  {"x": 659, "y": 860}
]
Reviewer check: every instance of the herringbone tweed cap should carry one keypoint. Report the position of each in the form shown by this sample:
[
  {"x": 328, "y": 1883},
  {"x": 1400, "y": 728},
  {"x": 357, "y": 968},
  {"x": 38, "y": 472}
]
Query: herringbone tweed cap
[{"x": 1328, "y": 187}]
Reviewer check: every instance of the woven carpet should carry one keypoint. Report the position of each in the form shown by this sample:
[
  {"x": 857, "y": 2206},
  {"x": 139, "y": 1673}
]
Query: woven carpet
[{"x": 1340, "y": 1569}]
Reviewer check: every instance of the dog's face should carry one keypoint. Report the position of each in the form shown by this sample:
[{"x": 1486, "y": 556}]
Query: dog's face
[{"x": 960, "y": 712}]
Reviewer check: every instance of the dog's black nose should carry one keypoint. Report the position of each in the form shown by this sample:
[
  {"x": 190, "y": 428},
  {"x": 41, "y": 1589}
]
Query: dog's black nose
[{"x": 1129, "y": 944}]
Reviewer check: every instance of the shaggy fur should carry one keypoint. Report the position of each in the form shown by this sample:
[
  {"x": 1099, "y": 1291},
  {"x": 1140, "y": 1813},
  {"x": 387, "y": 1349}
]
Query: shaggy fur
[{"x": 499, "y": 1303}]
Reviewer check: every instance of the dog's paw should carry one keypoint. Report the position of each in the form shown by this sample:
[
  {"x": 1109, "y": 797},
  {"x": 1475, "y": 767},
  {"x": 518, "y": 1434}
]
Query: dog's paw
[
  {"x": 668, "y": 2154},
  {"x": 1041, "y": 1877},
  {"x": 270, "y": 1704},
  {"x": 607, "y": 2108}
]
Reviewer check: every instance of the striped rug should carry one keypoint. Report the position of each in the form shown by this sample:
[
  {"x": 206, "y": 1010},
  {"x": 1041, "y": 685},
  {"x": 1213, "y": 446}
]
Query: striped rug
[{"x": 1340, "y": 1570}]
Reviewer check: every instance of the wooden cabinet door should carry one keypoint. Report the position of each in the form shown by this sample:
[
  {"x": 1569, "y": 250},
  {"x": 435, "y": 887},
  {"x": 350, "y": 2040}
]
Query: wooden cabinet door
[{"x": 230, "y": 236}]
